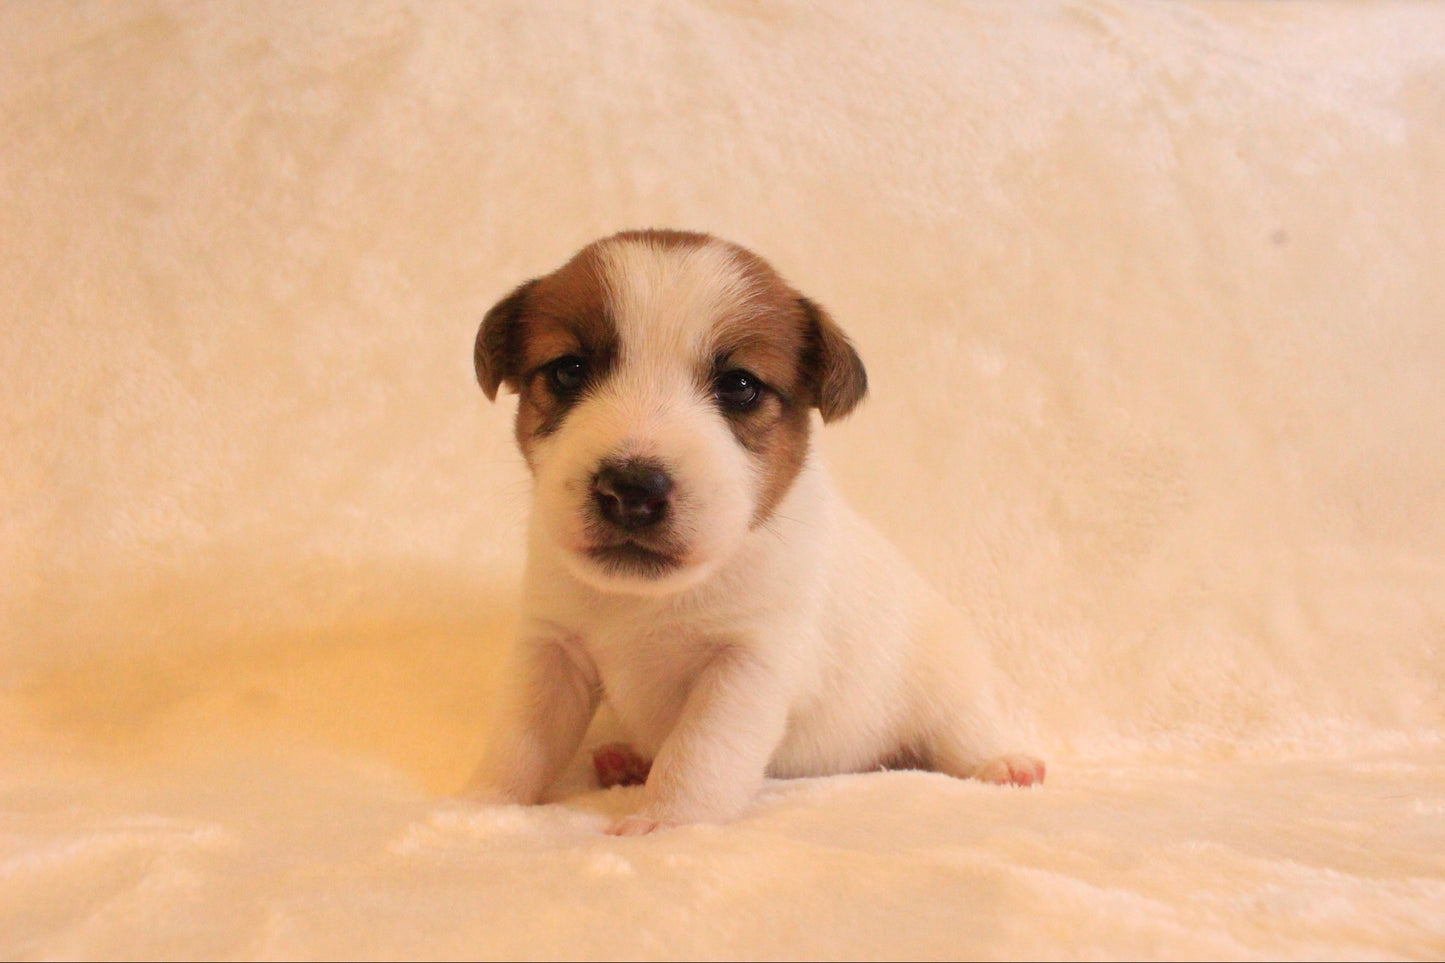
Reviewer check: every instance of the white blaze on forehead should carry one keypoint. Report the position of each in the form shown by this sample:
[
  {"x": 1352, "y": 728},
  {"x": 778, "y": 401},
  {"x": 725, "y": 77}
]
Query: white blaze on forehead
[{"x": 667, "y": 300}]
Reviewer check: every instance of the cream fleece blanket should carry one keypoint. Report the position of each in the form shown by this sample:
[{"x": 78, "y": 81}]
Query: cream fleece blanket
[{"x": 1152, "y": 297}]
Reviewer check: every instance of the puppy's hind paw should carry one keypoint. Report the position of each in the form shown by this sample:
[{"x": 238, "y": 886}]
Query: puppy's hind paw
[
  {"x": 616, "y": 764},
  {"x": 1012, "y": 771}
]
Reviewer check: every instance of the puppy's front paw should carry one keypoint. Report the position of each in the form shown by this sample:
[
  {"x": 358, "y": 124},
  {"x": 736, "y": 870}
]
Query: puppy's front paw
[
  {"x": 1012, "y": 771},
  {"x": 638, "y": 824}
]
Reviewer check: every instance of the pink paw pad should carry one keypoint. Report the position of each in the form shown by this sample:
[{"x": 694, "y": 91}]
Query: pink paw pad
[
  {"x": 617, "y": 765},
  {"x": 1012, "y": 771},
  {"x": 633, "y": 826}
]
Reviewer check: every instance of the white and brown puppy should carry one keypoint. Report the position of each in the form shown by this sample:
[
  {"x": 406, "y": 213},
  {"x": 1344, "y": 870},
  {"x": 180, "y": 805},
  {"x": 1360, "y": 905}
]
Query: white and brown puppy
[{"x": 689, "y": 561}]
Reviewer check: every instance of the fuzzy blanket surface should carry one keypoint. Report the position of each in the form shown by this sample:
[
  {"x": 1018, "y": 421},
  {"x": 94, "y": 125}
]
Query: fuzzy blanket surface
[{"x": 1152, "y": 297}]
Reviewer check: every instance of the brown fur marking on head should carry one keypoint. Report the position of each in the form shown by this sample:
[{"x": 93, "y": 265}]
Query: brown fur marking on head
[
  {"x": 663, "y": 238},
  {"x": 791, "y": 345},
  {"x": 564, "y": 313}
]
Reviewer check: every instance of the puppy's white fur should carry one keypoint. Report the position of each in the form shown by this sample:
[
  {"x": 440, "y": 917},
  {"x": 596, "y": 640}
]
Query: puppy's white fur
[{"x": 782, "y": 636}]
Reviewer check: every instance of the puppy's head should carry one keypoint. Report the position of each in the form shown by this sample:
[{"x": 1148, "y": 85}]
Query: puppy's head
[{"x": 665, "y": 381}]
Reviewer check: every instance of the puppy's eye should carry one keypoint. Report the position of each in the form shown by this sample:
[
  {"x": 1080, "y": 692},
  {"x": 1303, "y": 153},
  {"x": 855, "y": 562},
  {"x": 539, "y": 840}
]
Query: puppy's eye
[
  {"x": 567, "y": 376},
  {"x": 737, "y": 390}
]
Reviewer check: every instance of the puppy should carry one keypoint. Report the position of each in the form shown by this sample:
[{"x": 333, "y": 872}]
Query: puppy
[{"x": 689, "y": 561}]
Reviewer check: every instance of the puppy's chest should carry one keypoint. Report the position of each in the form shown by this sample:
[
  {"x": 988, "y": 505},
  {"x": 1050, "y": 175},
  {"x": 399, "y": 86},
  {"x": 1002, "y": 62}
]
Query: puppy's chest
[{"x": 647, "y": 672}]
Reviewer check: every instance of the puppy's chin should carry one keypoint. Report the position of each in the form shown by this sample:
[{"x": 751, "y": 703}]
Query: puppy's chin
[{"x": 632, "y": 569}]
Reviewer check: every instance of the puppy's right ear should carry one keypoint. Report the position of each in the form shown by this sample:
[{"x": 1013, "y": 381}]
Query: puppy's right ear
[{"x": 498, "y": 352}]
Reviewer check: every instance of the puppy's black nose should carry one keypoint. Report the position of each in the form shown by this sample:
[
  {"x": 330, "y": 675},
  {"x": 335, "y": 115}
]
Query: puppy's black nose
[{"x": 632, "y": 494}]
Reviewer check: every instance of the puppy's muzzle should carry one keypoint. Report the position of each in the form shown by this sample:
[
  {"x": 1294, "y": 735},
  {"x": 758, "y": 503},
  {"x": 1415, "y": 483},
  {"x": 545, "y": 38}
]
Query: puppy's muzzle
[{"x": 632, "y": 494}]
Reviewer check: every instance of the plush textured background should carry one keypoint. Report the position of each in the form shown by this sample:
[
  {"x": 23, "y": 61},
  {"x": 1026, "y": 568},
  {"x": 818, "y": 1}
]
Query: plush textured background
[{"x": 1153, "y": 304}]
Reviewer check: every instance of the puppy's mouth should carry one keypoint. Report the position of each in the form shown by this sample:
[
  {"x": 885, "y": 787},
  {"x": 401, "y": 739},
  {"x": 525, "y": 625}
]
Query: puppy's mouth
[{"x": 630, "y": 558}]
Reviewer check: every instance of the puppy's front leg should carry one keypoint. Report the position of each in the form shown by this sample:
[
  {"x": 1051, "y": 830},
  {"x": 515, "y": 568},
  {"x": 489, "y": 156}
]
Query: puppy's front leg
[
  {"x": 712, "y": 763},
  {"x": 540, "y": 724}
]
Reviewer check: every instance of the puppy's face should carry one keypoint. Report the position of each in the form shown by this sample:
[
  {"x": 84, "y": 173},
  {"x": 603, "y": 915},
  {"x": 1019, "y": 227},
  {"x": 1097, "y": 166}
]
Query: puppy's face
[{"x": 665, "y": 382}]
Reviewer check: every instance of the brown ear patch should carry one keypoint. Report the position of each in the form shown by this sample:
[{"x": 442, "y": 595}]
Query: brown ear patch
[
  {"x": 497, "y": 354},
  {"x": 832, "y": 366},
  {"x": 560, "y": 315}
]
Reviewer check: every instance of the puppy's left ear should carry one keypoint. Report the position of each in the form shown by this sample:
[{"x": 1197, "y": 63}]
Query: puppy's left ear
[
  {"x": 834, "y": 368},
  {"x": 498, "y": 352}
]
